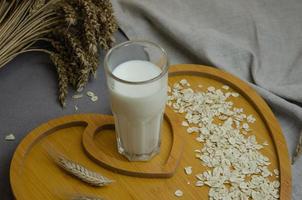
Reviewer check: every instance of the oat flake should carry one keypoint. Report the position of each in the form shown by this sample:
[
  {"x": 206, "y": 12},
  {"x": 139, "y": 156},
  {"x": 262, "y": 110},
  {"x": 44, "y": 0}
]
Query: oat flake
[
  {"x": 178, "y": 193},
  {"x": 10, "y": 137},
  {"x": 188, "y": 170}
]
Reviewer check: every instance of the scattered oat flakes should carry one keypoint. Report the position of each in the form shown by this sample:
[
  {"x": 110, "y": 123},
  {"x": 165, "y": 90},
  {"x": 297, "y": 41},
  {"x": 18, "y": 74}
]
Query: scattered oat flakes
[
  {"x": 200, "y": 86},
  {"x": 211, "y": 89},
  {"x": 276, "y": 172},
  {"x": 90, "y": 94},
  {"x": 237, "y": 169},
  {"x": 177, "y": 86},
  {"x": 199, "y": 183},
  {"x": 245, "y": 126},
  {"x": 77, "y": 96},
  {"x": 184, "y": 82},
  {"x": 190, "y": 130},
  {"x": 94, "y": 98},
  {"x": 244, "y": 132},
  {"x": 178, "y": 193},
  {"x": 197, "y": 156},
  {"x": 10, "y": 137},
  {"x": 184, "y": 123},
  {"x": 276, "y": 184},
  {"x": 226, "y": 87},
  {"x": 199, "y": 139},
  {"x": 250, "y": 119},
  {"x": 188, "y": 170},
  {"x": 76, "y": 107},
  {"x": 188, "y": 182},
  {"x": 235, "y": 94}
]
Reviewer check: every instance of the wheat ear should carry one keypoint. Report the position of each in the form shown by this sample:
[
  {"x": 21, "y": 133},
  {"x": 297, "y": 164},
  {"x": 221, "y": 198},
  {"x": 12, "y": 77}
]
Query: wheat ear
[
  {"x": 298, "y": 151},
  {"x": 78, "y": 170},
  {"x": 86, "y": 198}
]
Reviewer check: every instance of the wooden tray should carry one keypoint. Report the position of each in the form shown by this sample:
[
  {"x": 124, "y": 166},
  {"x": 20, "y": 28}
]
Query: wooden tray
[{"x": 34, "y": 176}]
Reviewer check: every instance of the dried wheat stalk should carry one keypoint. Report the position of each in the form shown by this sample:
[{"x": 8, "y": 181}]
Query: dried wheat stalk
[
  {"x": 76, "y": 29},
  {"x": 86, "y": 198},
  {"x": 88, "y": 25},
  {"x": 22, "y": 23},
  {"x": 298, "y": 151},
  {"x": 78, "y": 170},
  {"x": 82, "y": 172}
]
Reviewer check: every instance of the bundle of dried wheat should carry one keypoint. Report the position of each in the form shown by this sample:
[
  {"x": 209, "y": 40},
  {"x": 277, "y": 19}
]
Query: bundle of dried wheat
[
  {"x": 88, "y": 26},
  {"x": 22, "y": 23},
  {"x": 77, "y": 30}
]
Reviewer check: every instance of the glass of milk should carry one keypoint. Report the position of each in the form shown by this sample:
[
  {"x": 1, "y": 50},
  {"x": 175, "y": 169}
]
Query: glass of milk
[{"x": 137, "y": 78}]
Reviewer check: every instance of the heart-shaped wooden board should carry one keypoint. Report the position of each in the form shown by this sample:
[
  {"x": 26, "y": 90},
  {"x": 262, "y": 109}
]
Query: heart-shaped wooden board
[
  {"x": 34, "y": 175},
  {"x": 104, "y": 151}
]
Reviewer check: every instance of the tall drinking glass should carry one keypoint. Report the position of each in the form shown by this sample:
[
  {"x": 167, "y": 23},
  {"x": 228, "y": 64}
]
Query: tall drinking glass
[{"x": 137, "y": 80}]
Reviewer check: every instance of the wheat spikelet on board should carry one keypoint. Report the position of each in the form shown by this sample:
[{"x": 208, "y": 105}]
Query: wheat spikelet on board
[
  {"x": 78, "y": 170},
  {"x": 83, "y": 173},
  {"x": 298, "y": 151},
  {"x": 82, "y": 197}
]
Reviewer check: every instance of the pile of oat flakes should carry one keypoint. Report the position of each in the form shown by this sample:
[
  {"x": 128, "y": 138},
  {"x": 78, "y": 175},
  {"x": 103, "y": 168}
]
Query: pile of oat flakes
[{"x": 237, "y": 169}]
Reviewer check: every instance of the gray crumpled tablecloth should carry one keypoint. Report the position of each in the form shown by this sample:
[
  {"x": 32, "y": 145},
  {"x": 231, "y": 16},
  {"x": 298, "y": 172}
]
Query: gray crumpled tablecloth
[{"x": 259, "y": 41}]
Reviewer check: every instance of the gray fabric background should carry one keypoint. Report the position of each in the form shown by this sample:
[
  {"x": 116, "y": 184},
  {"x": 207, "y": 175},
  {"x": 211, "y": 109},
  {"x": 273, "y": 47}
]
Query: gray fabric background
[
  {"x": 28, "y": 98},
  {"x": 259, "y": 41}
]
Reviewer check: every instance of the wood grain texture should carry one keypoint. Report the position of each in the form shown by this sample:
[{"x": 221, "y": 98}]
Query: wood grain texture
[{"x": 35, "y": 176}]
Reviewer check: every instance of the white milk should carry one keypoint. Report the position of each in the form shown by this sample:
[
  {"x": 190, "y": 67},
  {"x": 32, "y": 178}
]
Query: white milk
[{"x": 138, "y": 109}]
